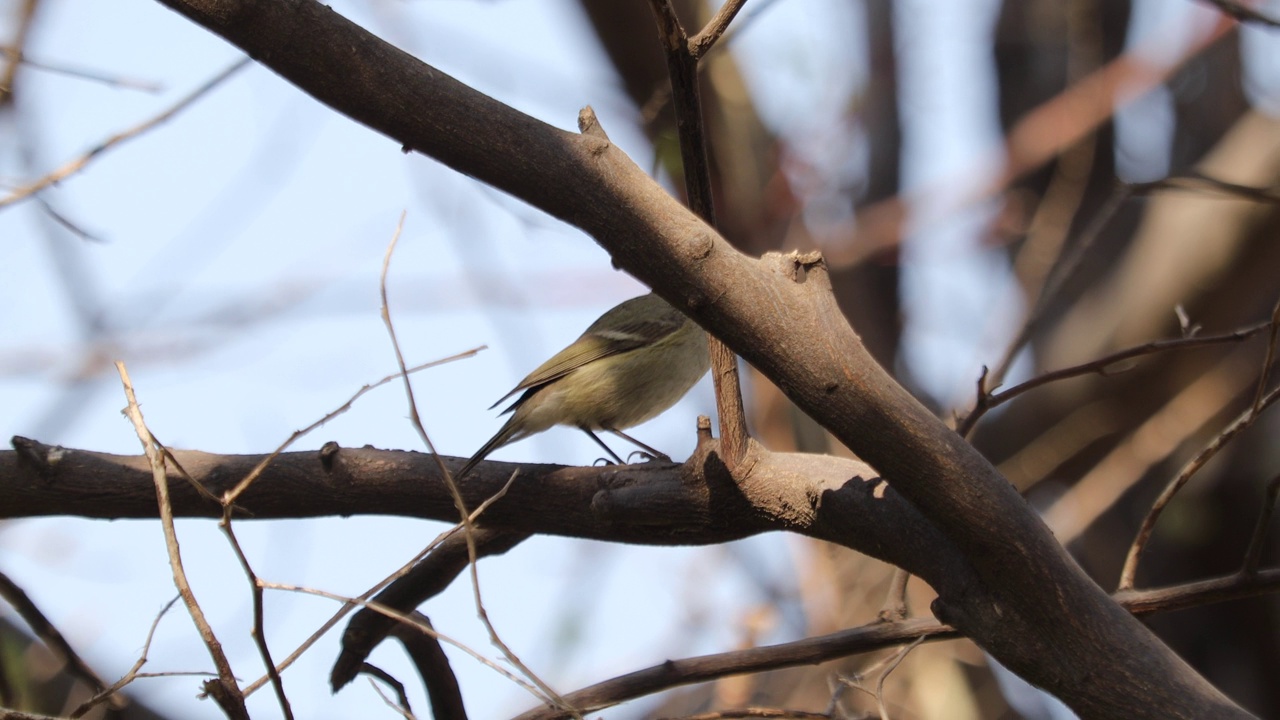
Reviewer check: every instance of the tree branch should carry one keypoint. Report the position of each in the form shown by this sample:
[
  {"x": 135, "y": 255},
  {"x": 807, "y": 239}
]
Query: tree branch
[{"x": 1019, "y": 595}]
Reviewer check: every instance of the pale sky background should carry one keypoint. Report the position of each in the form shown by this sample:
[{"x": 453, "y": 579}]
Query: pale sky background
[{"x": 236, "y": 272}]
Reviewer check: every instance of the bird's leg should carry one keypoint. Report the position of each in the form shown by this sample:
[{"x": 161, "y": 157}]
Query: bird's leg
[
  {"x": 600, "y": 442},
  {"x": 653, "y": 454}
]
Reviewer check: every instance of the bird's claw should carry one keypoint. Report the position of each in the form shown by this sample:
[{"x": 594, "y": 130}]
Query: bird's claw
[{"x": 650, "y": 457}]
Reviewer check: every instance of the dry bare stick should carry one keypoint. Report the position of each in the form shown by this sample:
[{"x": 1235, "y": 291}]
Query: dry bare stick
[
  {"x": 707, "y": 37},
  {"x": 230, "y": 497},
  {"x": 224, "y": 690},
  {"x": 25, "y": 18},
  {"x": 1196, "y": 181},
  {"x": 1155, "y": 439},
  {"x": 682, "y": 71},
  {"x": 347, "y": 608},
  {"x": 76, "y": 165},
  {"x": 988, "y": 381},
  {"x": 259, "y": 626},
  {"x": 1254, "y": 552},
  {"x": 228, "y": 503},
  {"x": 402, "y": 707},
  {"x": 467, "y": 526},
  {"x": 409, "y": 620},
  {"x": 876, "y": 636},
  {"x": 49, "y": 634},
  {"x": 1102, "y": 366},
  {"x": 1061, "y": 271},
  {"x": 16, "y": 55},
  {"x": 1243, "y": 13},
  {"x": 753, "y": 712},
  {"x": 128, "y": 677},
  {"x": 1265, "y": 375},
  {"x": 1241, "y": 423},
  {"x": 893, "y": 665},
  {"x": 16, "y": 715},
  {"x": 341, "y": 613}
]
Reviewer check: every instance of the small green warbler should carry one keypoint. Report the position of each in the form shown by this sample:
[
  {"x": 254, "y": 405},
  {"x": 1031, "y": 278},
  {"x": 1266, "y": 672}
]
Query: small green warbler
[{"x": 632, "y": 364}]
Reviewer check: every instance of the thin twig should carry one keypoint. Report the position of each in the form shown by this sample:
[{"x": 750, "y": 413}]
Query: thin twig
[
  {"x": 409, "y": 620},
  {"x": 876, "y": 636},
  {"x": 1243, "y": 13},
  {"x": 1266, "y": 362},
  {"x": 1058, "y": 276},
  {"x": 1101, "y": 366},
  {"x": 1198, "y": 182},
  {"x": 74, "y": 166},
  {"x": 20, "y": 23},
  {"x": 893, "y": 665},
  {"x": 755, "y": 712},
  {"x": 1254, "y": 552},
  {"x": 230, "y": 496},
  {"x": 259, "y": 631},
  {"x": 128, "y": 677},
  {"x": 402, "y": 706},
  {"x": 347, "y": 608},
  {"x": 49, "y": 634},
  {"x": 682, "y": 71},
  {"x": 17, "y": 56},
  {"x": 1241, "y": 423},
  {"x": 707, "y": 37},
  {"x": 467, "y": 526},
  {"x": 225, "y": 691}
]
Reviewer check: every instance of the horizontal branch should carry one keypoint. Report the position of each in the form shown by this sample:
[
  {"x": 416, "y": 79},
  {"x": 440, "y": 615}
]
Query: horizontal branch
[{"x": 869, "y": 638}]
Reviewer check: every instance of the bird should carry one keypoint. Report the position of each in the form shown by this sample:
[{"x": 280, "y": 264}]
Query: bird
[{"x": 629, "y": 366}]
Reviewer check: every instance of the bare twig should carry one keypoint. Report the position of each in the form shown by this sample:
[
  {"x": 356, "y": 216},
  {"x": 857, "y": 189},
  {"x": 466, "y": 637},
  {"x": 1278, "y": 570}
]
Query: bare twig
[
  {"x": 1266, "y": 362},
  {"x": 225, "y": 690},
  {"x": 348, "y": 607},
  {"x": 707, "y": 37},
  {"x": 682, "y": 69},
  {"x": 875, "y": 636},
  {"x": 128, "y": 677},
  {"x": 1243, "y": 13},
  {"x": 74, "y": 166},
  {"x": 230, "y": 497},
  {"x": 1101, "y": 366},
  {"x": 755, "y": 712},
  {"x": 1254, "y": 552},
  {"x": 1058, "y": 275},
  {"x": 259, "y": 626},
  {"x": 893, "y": 665},
  {"x": 1241, "y": 423},
  {"x": 467, "y": 526},
  {"x": 23, "y": 19},
  {"x": 15, "y": 55},
  {"x": 409, "y": 620},
  {"x": 1199, "y": 182},
  {"x": 49, "y": 634},
  {"x": 402, "y": 698}
]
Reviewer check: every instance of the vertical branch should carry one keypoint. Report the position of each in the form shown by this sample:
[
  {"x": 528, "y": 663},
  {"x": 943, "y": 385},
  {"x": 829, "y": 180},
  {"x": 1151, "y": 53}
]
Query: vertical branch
[
  {"x": 224, "y": 690},
  {"x": 1254, "y": 552},
  {"x": 682, "y": 67}
]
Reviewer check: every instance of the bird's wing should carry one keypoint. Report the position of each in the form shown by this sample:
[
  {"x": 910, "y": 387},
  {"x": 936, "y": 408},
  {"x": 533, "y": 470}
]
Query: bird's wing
[{"x": 597, "y": 343}]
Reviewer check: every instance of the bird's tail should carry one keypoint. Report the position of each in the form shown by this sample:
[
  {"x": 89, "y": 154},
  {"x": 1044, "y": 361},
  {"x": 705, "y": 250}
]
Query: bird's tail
[{"x": 508, "y": 434}]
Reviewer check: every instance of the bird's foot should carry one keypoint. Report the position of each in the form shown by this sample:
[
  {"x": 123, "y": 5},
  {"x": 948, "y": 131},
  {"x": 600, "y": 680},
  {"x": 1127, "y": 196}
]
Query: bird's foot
[{"x": 646, "y": 456}]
